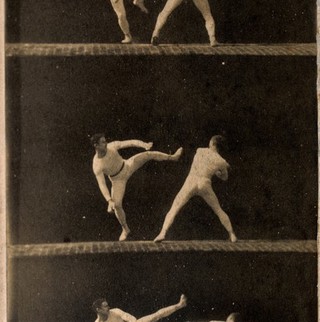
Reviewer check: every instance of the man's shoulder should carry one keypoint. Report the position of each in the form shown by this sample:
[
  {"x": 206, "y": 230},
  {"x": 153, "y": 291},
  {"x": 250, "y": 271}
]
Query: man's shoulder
[
  {"x": 201, "y": 150},
  {"x": 116, "y": 310},
  {"x": 96, "y": 167}
]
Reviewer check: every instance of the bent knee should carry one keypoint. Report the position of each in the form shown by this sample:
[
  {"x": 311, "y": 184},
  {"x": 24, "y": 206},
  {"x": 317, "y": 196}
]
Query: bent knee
[
  {"x": 118, "y": 207},
  {"x": 121, "y": 16}
]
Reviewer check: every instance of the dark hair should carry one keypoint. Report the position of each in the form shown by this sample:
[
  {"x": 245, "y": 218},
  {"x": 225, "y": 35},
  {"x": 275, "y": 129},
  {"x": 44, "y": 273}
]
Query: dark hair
[
  {"x": 236, "y": 317},
  {"x": 219, "y": 141},
  {"x": 96, "y": 137},
  {"x": 97, "y": 304}
]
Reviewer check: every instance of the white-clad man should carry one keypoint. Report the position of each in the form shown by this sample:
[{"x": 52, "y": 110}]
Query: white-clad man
[
  {"x": 108, "y": 162},
  {"x": 207, "y": 162},
  {"x": 202, "y": 5},
  {"x": 120, "y": 10},
  {"x": 105, "y": 314}
]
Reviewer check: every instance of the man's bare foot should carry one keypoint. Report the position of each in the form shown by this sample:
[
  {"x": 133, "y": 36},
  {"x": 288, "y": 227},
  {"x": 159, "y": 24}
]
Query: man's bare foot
[
  {"x": 127, "y": 39},
  {"x": 213, "y": 41},
  {"x": 124, "y": 235},
  {"x": 177, "y": 155},
  {"x": 233, "y": 237},
  {"x": 140, "y": 4},
  {"x": 183, "y": 301},
  {"x": 160, "y": 238},
  {"x": 155, "y": 41}
]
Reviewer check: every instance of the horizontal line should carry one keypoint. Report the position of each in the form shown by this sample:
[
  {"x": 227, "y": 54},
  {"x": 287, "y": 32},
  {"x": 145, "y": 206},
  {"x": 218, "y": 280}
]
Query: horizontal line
[
  {"x": 279, "y": 246},
  {"x": 96, "y": 49}
]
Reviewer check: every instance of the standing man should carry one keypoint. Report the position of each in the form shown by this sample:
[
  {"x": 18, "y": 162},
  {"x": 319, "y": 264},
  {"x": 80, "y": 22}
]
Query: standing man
[
  {"x": 207, "y": 162},
  {"x": 202, "y": 5},
  {"x": 120, "y": 11},
  {"x": 104, "y": 313},
  {"x": 107, "y": 161}
]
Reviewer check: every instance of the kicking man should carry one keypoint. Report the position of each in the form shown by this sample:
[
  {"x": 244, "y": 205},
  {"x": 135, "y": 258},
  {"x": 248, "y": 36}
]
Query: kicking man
[
  {"x": 107, "y": 161},
  {"x": 120, "y": 11},
  {"x": 202, "y": 5},
  {"x": 207, "y": 162},
  {"x": 104, "y": 313}
]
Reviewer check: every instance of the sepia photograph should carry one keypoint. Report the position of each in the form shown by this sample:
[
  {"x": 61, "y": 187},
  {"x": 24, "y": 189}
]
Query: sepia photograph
[{"x": 161, "y": 160}]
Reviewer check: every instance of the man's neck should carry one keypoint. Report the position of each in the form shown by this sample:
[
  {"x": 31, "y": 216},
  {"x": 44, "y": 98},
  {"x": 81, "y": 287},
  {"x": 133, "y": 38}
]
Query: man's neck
[
  {"x": 102, "y": 317},
  {"x": 101, "y": 153}
]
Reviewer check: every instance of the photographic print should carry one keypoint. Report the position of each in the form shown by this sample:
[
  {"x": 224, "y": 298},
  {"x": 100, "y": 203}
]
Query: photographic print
[{"x": 161, "y": 160}]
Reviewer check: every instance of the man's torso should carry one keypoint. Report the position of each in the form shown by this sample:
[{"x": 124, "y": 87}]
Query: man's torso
[
  {"x": 110, "y": 163},
  {"x": 206, "y": 162}
]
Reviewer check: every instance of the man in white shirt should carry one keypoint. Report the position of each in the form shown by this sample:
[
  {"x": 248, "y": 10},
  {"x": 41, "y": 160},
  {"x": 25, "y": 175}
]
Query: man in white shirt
[
  {"x": 108, "y": 162},
  {"x": 120, "y": 11},
  {"x": 207, "y": 162},
  {"x": 104, "y": 313},
  {"x": 202, "y": 5}
]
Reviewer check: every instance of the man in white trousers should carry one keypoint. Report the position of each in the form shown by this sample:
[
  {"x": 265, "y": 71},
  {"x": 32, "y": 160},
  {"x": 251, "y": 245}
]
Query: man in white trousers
[
  {"x": 207, "y": 162},
  {"x": 105, "y": 314},
  {"x": 119, "y": 9},
  {"x": 202, "y": 5},
  {"x": 108, "y": 162}
]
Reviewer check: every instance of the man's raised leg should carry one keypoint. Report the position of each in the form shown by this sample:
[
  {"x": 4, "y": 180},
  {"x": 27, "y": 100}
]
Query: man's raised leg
[
  {"x": 164, "y": 312},
  {"x": 140, "y": 4},
  {"x": 138, "y": 160}
]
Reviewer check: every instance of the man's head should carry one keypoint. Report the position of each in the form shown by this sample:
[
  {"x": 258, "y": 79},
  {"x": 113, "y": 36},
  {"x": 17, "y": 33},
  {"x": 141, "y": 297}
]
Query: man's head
[
  {"x": 101, "y": 306},
  {"x": 234, "y": 317},
  {"x": 218, "y": 142},
  {"x": 98, "y": 141}
]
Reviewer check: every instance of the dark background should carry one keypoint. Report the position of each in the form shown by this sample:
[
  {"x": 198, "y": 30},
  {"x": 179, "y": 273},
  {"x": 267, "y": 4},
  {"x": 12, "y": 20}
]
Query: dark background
[
  {"x": 246, "y": 21},
  {"x": 263, "y": 287},
  {"x": 266, "y": 107}
]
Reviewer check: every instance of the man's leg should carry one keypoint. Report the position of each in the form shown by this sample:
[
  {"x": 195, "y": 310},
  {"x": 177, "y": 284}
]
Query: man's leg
[
  {"x": 118, "y": 190},
  {"x": 138, "y": 160},
  {"x": 140, "y": 4},
  {"x": 162, "y": 18},
  {"x": 162, "y": 313},
  {"x": 204, "y": 8},
  {"x": 183, "y": 196},
  {"x": 120, "y": 11},
  {"x": 211, "y": 199}
]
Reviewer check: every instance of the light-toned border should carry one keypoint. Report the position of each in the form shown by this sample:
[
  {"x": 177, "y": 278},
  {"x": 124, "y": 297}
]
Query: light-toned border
[
  {"x": 3, "y": 264},
  {"x": 318, "y": 97}
]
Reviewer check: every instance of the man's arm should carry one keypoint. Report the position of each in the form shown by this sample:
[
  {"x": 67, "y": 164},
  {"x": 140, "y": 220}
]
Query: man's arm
[
  {"x": 103, "y": 187},
  {"x": 130, "y": 144},
  {"x": 222, "y": 173},
  {"x": 124, "y": 315}
]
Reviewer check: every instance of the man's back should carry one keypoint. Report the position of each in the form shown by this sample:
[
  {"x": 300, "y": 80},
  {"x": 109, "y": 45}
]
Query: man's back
[{"x": 207, "y": 162}]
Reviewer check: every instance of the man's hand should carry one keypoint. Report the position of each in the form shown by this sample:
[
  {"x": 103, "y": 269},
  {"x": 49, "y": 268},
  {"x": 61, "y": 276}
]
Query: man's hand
[
  {"x": 110, "y": 206},
  {"x": 148, "y": 146}
]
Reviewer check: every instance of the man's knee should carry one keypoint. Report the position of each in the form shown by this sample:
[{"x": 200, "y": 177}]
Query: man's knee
[
  {"x": 121, "y": 16},
  {"x": 118, "y": 206}
]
